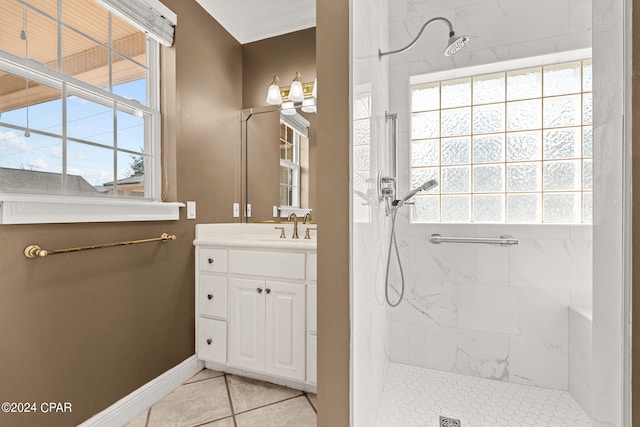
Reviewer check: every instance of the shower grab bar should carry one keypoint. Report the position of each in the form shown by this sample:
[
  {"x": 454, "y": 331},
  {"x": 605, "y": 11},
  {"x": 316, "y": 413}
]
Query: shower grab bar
[
  {"x": 504, "y": 240},
  {"x": 34, "y": 251}
]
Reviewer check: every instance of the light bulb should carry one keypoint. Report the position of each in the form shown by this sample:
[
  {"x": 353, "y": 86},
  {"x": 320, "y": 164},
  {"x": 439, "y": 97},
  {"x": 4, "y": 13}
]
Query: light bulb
[
  {"x": 309, "y": 105},
  {"x": 296, "y": 94},
  {"x": 288, "y": 108},
  {"x": 273, "y": 94}
]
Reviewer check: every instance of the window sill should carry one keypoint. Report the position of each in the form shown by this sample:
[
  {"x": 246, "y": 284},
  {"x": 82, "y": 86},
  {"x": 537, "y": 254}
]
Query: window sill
[{"x": 37, "y": 209}]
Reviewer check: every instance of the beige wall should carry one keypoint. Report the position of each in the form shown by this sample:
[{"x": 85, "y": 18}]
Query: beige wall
[
  {"x": 261, "y": 60},
  {"x": 91, "y": 327},
  {"x": 333, "y": 204}
]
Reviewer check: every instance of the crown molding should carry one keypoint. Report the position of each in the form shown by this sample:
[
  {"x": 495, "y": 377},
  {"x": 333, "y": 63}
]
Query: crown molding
[{"x": 252, "y": 20}]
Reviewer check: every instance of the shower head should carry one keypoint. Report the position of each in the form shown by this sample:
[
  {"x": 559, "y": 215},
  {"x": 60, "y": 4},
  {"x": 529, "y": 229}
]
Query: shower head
[
  {"x": 424, "y": 187},
  {"x": 455, "y": 44}
]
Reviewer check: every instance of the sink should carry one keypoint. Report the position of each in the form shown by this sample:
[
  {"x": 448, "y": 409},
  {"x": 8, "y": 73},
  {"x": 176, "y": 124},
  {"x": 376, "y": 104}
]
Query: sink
[{"x": 252, "y": 236}]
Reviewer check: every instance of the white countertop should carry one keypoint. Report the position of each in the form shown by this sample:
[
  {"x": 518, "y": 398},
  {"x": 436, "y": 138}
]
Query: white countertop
[{"x": 263, "y": 236}]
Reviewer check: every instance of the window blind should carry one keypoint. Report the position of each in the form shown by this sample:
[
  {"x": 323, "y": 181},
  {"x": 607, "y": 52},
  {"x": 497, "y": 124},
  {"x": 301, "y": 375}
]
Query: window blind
[
  {"x": 150, "y": 16},
  {"x": 297, "y": 122}
]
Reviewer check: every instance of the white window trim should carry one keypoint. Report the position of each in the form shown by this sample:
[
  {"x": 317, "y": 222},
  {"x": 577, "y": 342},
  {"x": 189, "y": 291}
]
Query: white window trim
[
  {"x": 39, "y": 209},
  {"x": 20, "y": 208},
  {"x": 502, "y": 66},
  {"x": 300, "y": 126}
]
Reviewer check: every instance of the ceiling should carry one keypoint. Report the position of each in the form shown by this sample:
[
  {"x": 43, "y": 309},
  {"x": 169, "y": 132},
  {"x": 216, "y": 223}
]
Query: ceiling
[{"x": 251, "y": 20}]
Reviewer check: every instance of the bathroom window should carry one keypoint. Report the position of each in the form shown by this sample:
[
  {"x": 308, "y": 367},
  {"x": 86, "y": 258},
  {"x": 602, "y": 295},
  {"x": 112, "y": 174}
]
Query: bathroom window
[
  {"x": 511, "y": 146},
  {"x": 289, "y": 166},
  {"x": 79, "y": 108}
]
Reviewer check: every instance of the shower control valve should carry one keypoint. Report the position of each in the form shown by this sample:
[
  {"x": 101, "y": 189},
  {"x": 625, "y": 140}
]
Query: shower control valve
[{"x": 385, "y": 186}]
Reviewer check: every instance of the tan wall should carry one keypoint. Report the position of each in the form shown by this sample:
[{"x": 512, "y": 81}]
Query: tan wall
[
  {"x": 282, "y": 56},
  {"x": 91, "y": 327},
  {"x": 333, "y": 203}
]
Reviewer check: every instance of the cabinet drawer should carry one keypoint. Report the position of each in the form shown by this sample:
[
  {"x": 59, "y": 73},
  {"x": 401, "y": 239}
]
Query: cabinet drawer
[
  {"x": 312, "y": 364},
  {"x": 212, "y": 299},
  {"x": 312, "y": 266},
  {"x": 212, "y": 340},
  {"x": 312, "y": 312},
  {"x": 268, "y": 264},
  {"x": 214, "y": 260}
]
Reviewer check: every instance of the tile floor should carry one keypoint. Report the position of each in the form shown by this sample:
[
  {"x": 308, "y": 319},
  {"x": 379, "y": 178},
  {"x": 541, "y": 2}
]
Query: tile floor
[
  {"x": 417, "y": 397},
  {"x": 215, "y": 399}
]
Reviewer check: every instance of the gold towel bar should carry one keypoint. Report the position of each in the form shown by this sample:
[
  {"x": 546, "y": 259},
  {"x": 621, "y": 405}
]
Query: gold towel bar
[{"x": 34, "y": 251}]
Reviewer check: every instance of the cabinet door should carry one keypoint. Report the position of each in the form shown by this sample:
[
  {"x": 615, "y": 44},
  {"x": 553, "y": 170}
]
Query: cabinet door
[
  {"x": 246, "y": 323},
  {"x": 285, "y": 321}
]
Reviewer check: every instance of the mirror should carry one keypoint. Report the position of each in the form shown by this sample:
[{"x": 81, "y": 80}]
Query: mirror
[{"x": 279, "y": 158}]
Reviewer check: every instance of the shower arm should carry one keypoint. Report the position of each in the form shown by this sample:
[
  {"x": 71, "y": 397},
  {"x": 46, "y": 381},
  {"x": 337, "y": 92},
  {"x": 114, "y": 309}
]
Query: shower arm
[{"x": 410, "y": 45}]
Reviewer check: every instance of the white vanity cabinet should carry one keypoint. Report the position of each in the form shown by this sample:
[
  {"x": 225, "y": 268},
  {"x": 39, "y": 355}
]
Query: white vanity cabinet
[
  {"x": 267, "y": 327},
  {"x": 255, "y": 311}
]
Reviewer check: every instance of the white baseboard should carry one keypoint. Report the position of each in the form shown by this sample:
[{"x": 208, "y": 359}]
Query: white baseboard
[{"x": 127, "y": 408}]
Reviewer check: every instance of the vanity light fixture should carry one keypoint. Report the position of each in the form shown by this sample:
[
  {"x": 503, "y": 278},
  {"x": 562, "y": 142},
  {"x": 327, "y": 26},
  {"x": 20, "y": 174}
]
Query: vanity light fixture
[
  {"x": 288, "y": 108},
  {"x": 273, "y": 94},
  {"x": 309, "y": 104},
  {"x": 297, "y": 95}
]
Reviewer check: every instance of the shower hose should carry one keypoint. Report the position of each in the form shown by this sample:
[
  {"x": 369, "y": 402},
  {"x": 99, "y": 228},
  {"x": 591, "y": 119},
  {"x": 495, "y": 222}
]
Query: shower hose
[{"x": 393, "y": 243}]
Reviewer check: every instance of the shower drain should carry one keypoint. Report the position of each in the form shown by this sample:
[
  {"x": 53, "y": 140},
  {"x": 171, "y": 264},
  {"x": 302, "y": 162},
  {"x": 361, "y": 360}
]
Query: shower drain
[{"x": 449, "y": 422}]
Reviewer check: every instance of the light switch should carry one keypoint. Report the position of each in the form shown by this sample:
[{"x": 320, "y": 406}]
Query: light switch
[
  {"x": 191, "y": 210},
  {"x": 236, "y": 210},
  {"x": 275, "y": 211}
]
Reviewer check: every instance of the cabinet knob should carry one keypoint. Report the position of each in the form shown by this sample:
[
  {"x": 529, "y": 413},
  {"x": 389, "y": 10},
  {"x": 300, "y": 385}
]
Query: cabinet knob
[
  {"x": 259, "y": 290},
  {"x": 209, "y": 341},
  {"x": 268, "y": 290},
  {"x": 209, "y": 296},
  {"x": 210, "y": 260}
]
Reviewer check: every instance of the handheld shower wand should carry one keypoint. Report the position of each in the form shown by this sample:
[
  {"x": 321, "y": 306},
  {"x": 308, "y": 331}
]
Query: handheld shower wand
[
  {"x": 424, "y": 187},
  {"x": 396, "y": 204}
]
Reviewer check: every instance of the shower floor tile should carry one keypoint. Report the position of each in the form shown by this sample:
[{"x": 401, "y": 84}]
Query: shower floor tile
[{"x": 417, "y": 397}]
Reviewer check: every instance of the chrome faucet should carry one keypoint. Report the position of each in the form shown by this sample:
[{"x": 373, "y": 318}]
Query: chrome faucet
[
  {"x": 307, "y": 217},
  {"x": 295, "y": 224}
]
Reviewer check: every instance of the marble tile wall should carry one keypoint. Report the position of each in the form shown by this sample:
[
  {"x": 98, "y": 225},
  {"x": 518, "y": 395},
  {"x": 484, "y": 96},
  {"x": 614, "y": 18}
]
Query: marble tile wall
[
  {"x": 490, "y": 311},
  {"x": 580, "y": 356},
  {"x": 370, "y": 322}
]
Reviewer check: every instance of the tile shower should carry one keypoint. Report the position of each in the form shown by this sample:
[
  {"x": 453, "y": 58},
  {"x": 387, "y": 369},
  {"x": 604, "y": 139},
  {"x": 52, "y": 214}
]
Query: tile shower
[
  {"x": 490, "y": 311},
  {"x": 485, "y": 312}
]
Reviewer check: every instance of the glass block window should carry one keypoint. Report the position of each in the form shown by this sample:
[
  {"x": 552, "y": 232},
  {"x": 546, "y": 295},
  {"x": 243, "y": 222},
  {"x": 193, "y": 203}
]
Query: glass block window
[{"x": 512, "y": 147}]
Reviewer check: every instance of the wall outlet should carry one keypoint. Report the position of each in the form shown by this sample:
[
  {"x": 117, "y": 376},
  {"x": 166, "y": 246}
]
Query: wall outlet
[
  {"x": 248, "y": 210},
  {"x": 191, "y": 210},
  {"x": 275, "y": 212},
  {"x": 236, "y": 210}
]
